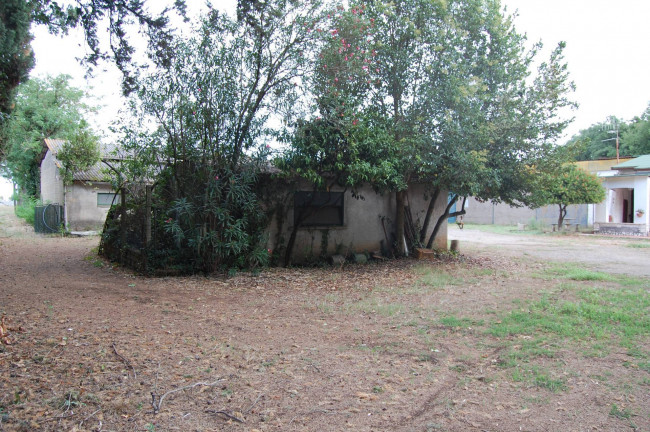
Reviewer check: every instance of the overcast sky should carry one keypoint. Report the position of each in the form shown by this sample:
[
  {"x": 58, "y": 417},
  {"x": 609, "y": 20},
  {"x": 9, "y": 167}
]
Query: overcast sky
[{"x": 607, "y": 52}]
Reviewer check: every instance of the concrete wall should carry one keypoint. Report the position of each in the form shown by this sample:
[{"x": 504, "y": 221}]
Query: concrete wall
[
  {"x": 81, "y": 202},
  {"x": 503, "y": 214},
  {"x": 51, "y": 182},
  {"x": 362, "y": 229}
]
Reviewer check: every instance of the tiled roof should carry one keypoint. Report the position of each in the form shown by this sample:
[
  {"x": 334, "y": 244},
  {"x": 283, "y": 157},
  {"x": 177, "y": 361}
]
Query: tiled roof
[
  {"x": 98, "y": 172},
  {"x": 639, "y": 163}
]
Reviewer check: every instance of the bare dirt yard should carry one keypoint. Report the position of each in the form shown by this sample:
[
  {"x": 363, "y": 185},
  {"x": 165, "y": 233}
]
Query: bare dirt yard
[{"x": 491, "y": 340}]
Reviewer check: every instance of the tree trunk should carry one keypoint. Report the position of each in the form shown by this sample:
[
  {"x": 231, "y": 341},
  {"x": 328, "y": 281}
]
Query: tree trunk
[
  {"x": 427, "y": 218},
  {"x": 399, "y": 222},
  {"x": 444, "y": 216},
  {"x": 292, "y": 241},
  {"x": 560, "y": 219}
]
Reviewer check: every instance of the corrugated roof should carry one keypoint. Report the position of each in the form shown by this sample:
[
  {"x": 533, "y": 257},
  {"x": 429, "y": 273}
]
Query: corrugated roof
[
  {"x": 98, "y": 172},
  {"x": 640, "y": 163}
]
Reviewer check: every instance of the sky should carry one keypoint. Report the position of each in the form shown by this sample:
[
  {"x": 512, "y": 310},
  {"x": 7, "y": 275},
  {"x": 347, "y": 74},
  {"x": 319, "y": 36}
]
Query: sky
[{"x": 607, "y": 54}]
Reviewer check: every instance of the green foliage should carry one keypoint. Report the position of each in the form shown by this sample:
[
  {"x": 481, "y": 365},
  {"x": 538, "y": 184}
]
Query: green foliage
[
  {"x": 636, "y": 138},
  {"x": 571, "y": 185},
  {"x": 47, "y": 108},
  {"x": 25, "y": 208},
  {"x": 209, "y": 150},
  {"x": 566, "y": 185},
  {"x": 446, "y": 86},
  {"x": 17, "y": 16},
  {"x": 78, "y": 154},
  {"x": 17, "y": 58},
  {"x": 599, "y": 140}
]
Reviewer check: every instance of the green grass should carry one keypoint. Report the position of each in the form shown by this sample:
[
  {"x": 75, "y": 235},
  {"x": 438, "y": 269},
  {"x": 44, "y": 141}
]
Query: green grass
[
  {"x": 639, "y": 245},
  {"x": 538, "y": 378},
  {"x": 452, "y": 321},
  {"x": 535, "y": 228},
  {"x": 597, "y": 313},
  {"x": 576, "y": 273},
  {"x": 435, "y": 277},
  {"x": 26, "y": 209},
  {"x": 623, "y": 414}
]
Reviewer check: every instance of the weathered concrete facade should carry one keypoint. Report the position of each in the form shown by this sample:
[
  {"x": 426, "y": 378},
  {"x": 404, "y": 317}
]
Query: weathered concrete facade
[
  {"x": 85, "y": 213},
  {"x": 85, "y": 209},
  {"x": 51, "y": 180},
  {"x": 504, "y": 214},
  {"x": 368, "y": 225}
]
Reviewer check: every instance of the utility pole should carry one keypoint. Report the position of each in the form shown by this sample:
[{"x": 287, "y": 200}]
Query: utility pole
[{"x": 615, "y": 122}]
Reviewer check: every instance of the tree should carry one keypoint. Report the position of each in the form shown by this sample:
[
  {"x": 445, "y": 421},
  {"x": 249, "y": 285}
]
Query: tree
[
  {"x": 45, "y": 108},
  {"x": 78, "y": 154},
  {"x": 454, "y": 81},
  {"x": 599, "y": 140},
  {"x": 113, "y": 18},
  {"x": 17, "y": 58},
  {"x": 344, "y": 144},
  {"x": 210, "y": 108},
  {"x": 566, "y": 186},
  {"x": 636, "y": 136}
]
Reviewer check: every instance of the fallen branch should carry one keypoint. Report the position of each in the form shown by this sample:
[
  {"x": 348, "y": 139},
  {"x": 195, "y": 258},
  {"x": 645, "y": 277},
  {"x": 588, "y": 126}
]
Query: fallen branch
[
  {"x": 89, "y": 417},
  {"x": 254, "y": 403},
  {"x": 157, "y": 405},
  {"x": 65, "y": 415},
  {"x": 229, "y": 416},
  {"x": 126, "y": 362}
]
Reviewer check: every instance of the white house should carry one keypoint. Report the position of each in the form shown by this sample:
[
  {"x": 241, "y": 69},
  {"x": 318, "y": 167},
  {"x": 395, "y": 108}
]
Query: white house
[{"x": 625, "y": 209}]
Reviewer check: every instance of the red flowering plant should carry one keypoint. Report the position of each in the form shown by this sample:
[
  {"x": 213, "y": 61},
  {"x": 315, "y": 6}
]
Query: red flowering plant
[
  {"x": 344, "y": 145},
  {"x": 344, "y": 71}
]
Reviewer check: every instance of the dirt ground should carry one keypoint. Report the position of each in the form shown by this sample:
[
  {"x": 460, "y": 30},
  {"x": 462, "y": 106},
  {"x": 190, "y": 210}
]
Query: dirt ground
[
  {"x": 608, "y": 254},
  {"x": 363, "y": 348}
]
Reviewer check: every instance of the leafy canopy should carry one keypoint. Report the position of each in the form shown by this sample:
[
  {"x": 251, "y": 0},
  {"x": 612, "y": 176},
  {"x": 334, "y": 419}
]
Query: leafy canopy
[
  {"x": 78, "y": 154},
  {"x": 45, "y": 108}
]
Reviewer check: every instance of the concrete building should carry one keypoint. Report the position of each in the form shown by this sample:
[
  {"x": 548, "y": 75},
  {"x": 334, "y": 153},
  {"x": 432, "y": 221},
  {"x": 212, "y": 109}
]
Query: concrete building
[
  {"x": 87, "y": 200},
  {"x": 626, "y": 205},
  {"x": 344, "y": 224}
]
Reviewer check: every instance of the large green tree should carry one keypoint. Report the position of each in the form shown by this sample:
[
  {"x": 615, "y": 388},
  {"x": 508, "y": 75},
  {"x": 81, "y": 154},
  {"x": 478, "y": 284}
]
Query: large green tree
[
  {"x": 17, "y": 58},
  {"x": 344, "y": 144},
  {"x": 210, "y": 108},
  {"x": 453, "y": 82},
  {"x": 117, "y": 19},
  {"x": 45, "y": 108}
]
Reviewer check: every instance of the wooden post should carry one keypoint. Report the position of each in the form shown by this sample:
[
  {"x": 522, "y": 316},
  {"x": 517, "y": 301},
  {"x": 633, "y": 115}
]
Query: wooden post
[
  {"x": 147, "y": 221},
  {"x": 122, "y": 225}
]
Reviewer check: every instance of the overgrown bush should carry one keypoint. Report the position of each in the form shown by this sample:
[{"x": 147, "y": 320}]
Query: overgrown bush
[{"x": 25, "y": 208}]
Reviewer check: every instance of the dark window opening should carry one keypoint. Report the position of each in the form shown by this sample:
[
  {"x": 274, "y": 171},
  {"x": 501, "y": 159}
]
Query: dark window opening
[{"x": 318, "y": 208}]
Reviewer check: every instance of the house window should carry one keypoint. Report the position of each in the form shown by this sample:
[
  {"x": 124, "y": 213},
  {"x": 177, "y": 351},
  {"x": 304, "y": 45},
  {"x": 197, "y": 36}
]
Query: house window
[
  {"x": 318, "y": 208},
  {"x": 107, "y": 199}
]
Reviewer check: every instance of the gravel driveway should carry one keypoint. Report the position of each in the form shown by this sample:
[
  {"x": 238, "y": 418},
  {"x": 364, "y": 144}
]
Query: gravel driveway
[{"x": 629, "y": 256}]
